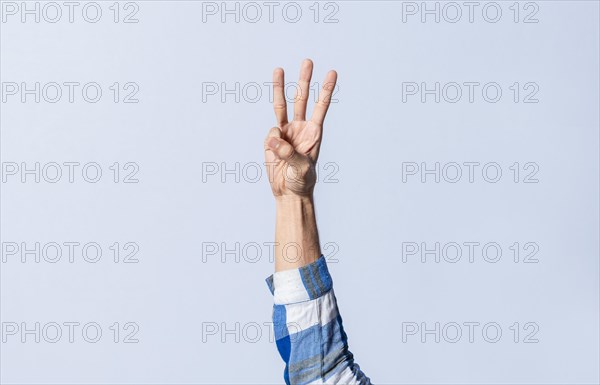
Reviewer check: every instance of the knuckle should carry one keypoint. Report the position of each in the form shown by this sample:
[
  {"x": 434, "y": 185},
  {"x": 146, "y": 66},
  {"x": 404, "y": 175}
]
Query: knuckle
[
  {"x": 286, "y": 152},
  {"x": 329, "y": 86},
  {"x": 301, "y": 98}
]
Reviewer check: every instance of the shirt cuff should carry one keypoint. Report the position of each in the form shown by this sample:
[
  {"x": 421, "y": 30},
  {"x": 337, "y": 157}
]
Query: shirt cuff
[{"x": 302, "y": 284}]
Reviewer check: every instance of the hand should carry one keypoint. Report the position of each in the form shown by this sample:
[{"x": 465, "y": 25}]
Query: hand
[{"x": 292, "y": 148}]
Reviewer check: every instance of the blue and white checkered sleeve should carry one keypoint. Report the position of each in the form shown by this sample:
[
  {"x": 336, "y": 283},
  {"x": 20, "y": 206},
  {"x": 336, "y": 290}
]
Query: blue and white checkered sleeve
[{"x": 308, "y": 328}]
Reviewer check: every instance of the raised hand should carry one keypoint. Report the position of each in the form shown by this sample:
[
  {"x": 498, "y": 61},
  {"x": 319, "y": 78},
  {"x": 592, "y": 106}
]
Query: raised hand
[{"x": 292, "y": 148}]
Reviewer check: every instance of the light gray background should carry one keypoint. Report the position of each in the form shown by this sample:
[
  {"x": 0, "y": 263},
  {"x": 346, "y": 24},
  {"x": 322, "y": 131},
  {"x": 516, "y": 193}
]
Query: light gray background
[{"x": 368, "y": 213}]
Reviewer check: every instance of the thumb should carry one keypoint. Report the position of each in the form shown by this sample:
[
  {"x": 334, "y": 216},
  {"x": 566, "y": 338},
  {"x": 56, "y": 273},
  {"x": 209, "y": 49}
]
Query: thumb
[{"x": 283, "y": 150}]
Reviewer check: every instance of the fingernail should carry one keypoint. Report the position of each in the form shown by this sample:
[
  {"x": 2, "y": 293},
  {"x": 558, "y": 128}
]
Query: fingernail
[{"x": 273, "y": 143}]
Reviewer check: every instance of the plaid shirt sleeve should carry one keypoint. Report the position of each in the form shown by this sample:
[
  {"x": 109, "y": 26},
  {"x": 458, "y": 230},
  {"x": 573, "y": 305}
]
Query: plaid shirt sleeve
[{"x": 308, "y": 328}]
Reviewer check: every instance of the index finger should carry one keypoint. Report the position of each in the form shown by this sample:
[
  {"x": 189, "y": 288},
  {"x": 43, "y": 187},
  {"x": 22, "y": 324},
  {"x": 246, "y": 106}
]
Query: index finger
[{"x": 279, "y": 103}]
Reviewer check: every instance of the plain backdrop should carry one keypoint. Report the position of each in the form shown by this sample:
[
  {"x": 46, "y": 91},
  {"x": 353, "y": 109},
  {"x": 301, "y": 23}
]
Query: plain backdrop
[{"x": 200, "y": 218}]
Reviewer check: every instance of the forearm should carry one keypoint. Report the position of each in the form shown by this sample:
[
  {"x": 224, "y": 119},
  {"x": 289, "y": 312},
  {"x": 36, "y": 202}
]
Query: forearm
[
  {"x": 296, "y": 233},
  {"x": 306, "y": 322},
  {"x": 308, "y": 328}
]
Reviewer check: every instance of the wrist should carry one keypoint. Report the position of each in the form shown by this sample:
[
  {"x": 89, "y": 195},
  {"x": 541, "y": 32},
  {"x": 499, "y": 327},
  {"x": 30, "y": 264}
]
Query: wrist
[{"x": 293, "y": 200}]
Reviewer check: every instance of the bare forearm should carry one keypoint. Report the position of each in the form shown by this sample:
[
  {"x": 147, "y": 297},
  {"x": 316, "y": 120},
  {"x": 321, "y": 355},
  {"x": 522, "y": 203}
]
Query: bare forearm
[
  {"x": 308, "y": 328},
  {"x": 296, "y": 233}
]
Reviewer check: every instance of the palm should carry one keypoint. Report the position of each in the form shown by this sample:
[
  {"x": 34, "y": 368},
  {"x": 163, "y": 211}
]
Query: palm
[{"x": 303, "y": 135}]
